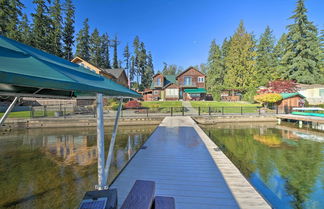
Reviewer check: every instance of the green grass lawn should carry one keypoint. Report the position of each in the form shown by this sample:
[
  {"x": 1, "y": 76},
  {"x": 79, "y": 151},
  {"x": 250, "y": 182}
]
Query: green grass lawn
[
  {"x": 221, "y": 104},
  {"x": 154, "y": 104},
  {"x": 26, "y": 114},
  {"x": 225, "y": 107}
]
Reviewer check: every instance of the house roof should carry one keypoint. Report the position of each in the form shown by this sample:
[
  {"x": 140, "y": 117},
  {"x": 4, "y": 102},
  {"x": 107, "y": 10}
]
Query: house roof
[
  {"x": 168, "y": 79},
  {"x": 289, "y": 95},
  {"x": 189, "y": 69},
  {"x": 309, "y": 86},
  {"x": 117, "y": 72},
  {"x": 25, "y": 70}
]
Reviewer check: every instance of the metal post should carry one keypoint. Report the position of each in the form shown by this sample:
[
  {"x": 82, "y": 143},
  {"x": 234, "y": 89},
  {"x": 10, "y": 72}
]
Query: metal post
[
  {"x": 241, "y": 110},
  {"x": 100, "y": 142},
  {"x": 198, "y": 110},
  {"x": 112, "y": 144},
  {"x": 277, "y": 109},
  {"x": 222, "y": 110},
  {"x": 209, "y": 110},
  {"x": 259, "y": 110},
  {"x": 11, "y": 106},
  {"x": 182, "y": 111},
  {"x": 147, "y": 111},
  {"x": 45, "y": 111},
  {"x": 171, "y": 111}
]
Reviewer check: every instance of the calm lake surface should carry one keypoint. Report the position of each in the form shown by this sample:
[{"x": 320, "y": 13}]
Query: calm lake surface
[
  {"x": 52, "y": 168},
  {"x": 285, "y": 164}
]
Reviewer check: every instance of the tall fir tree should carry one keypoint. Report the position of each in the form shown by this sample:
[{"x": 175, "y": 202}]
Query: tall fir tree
[
  {"x": 24, "y": 29},
  {"x": 142, "y": 65},
  {"x": 216, "y": 70},
  {"x": 5, "y": 11},
  {"x": 95, "y": 48},
  {"x": 56, "y": 31},
  {"x": 83, "y": 41},
  {"x": 105, "y": 51},
  {"x": 115, "y": 59},
  {"x": 12, "y": 31},
  {"x": 126, "y": 55},
  {"x": 240, "y": 61},
  {"x": 41, "y": 27},
  {"x": 68, "y": 30},
  {"x": 266, "y": 63},
  {"x": 303, "y": 56},
  {"x": 132, "y": 70},
  {"x": 136, "y": 47},
  {"x": 279, "y": 52},
  {"x": 148, "y": 71}
]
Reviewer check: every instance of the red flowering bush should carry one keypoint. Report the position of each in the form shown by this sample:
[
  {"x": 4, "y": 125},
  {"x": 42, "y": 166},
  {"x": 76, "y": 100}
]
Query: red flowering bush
[
  {"x": 279, "y": 86},
  {"x": 133, "y": 104}
]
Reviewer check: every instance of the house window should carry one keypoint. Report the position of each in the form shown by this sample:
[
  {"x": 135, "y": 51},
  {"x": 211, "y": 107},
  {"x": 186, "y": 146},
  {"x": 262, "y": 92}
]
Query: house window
[
  {"x": 158, "y": 82},
  {"x": 155, "y": 92},
  {"x": 321, "y": 92},
  {"x": 201, "y": 79},
  {"x": 187, "y": 81},
  {"x": 172, "y": 92}
]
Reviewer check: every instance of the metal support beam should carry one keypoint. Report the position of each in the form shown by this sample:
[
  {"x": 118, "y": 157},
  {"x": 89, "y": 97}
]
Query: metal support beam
[
  {"x": 11, "y": 106},
  {"x": 112, "y": 143},
  {"x": 100, "y": 142}
]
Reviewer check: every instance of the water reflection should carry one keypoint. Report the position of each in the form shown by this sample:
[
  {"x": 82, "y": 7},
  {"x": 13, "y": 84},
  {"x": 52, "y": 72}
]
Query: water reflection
[
  {"x": 281, "y": 162},
  {"x": 50, "y": 168}
]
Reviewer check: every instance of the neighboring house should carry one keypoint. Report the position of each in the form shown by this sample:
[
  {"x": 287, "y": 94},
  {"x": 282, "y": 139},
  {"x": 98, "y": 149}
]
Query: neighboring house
[
  {"x": 291, "y": 100},
  {"x": 314, "y": 93},
  {"x": 118, "y": 75},
  {"x": 188, "y": 85}
]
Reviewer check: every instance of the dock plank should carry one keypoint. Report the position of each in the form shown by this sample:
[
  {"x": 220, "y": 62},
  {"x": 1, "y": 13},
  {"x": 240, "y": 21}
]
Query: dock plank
[{"x": 178, "y": 160}]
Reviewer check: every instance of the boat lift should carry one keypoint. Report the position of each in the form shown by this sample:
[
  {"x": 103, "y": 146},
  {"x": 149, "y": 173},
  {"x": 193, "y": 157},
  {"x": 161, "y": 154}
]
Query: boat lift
[{"x": 29, "y": 72}]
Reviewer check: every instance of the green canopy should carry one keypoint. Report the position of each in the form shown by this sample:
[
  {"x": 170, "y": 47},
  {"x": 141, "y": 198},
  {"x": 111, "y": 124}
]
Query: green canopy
[
  {"x": 195, "y": 91},
  {"x": 25, "y": 70}
]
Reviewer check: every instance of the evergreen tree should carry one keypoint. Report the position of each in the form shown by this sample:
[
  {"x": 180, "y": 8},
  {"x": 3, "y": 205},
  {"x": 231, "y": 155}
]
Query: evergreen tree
[
  {"x": 240, "y": 61},
  {"x": 12, "y": 31},
  {"x": 83, "y": 42},
  {"x": 225, "y": 47},
  {"x": 132, "y": 71},
  {"x": 303, "y": 55},
  {"x": 41, "y": 27},
  {"x": 266, "y": 61},
  {"x": 127, "y": 59},
  {"x": 4, "y": 15},
  {"x": 136, "y": 46},
  {"x": 115, "y": 60},
  {"x": 142, "y": 60},
  {"x": 68, "y": 30},
  {"x": 216, "y": 70},
  {"x": 24, "y": 30},
  {"x": 149, "y": 71},
  {"x": 279, "y": 52},
  {"x": 56, "y": 31},
  {"x": 95, "y": 50},
  {"x": 105, "y": 51}
]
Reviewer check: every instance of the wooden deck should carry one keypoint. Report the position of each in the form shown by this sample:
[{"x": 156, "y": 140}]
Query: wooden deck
[{"x": 182, "y": 161}]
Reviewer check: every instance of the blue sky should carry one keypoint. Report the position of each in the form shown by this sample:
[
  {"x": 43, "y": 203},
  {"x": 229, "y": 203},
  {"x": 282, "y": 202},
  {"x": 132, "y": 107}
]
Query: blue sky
[{"x": 180, "y": 31}]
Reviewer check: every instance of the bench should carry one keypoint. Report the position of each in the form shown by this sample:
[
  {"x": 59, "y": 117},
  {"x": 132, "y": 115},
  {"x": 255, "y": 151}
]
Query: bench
[
  {"x": 161, "y": 202},
  {"x": 141, "y": 195}
]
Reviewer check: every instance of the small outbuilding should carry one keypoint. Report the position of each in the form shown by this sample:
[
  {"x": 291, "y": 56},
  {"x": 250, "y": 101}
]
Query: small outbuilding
[{"x": 290, "y": 100}]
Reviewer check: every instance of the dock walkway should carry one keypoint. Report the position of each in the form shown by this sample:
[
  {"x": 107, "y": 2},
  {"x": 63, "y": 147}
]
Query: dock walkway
[{"x": 187, "y": 165}]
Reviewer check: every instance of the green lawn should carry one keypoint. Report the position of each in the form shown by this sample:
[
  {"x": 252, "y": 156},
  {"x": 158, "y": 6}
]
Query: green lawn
[
  {"x": 155, "y": 104},
  {"x": 26, "y": 114},
  {"x": 221, "y": 104}
]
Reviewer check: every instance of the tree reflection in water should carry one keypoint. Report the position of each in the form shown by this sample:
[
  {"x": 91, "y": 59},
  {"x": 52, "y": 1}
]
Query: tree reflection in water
[
  {"x": 50, "y": 168},
  {"x": 289, "y": 166}
]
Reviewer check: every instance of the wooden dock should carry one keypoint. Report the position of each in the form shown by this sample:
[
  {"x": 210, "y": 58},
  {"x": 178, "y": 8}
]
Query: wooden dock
[
  {"x": 187, "y": 165},
  {"x": 304, "y": 118}
]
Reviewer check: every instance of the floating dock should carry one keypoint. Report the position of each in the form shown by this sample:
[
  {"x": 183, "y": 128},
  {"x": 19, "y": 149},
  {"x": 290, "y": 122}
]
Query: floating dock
[
  {"x": 314, "y": 122},
  {"x": 187, "y": 165}
]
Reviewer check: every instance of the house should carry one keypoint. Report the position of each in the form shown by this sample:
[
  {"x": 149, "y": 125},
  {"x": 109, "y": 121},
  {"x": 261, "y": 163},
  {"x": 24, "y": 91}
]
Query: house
[
  {"x": 118, "y": 75},
  {"x": 314, "y": 93},
  {"x": 188, "y": 85},
  {"x": 192, "y": 85},
  {"x": 290, "y": 100}
]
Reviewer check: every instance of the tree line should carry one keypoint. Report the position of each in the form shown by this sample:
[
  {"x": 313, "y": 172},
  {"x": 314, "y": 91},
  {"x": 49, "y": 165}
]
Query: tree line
[
  {"x": 51, "y": 29},
  {"x": 244, "y": 62}
]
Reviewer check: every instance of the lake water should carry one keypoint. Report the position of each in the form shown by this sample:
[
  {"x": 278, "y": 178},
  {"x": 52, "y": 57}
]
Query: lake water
[
  {"x": 284, "y": 163},
  {"x": 52, "y": 168}
]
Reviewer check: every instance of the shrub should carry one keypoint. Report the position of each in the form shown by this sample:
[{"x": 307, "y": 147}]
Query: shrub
[
  {"x": 132, "y": 104},
  {"x": 268, "y": 98}
]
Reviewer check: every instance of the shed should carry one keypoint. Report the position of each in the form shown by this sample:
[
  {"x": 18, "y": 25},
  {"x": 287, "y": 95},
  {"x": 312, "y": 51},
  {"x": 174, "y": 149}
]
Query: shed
[{"x": 290, "y": 100}]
